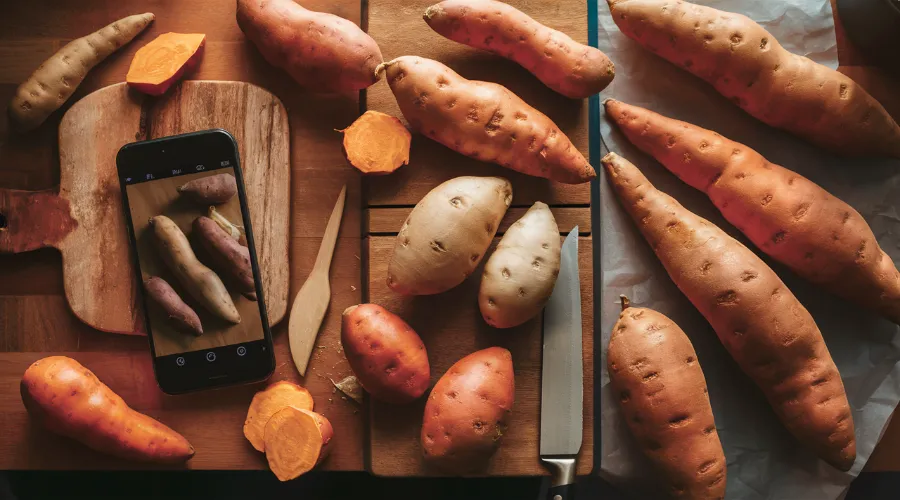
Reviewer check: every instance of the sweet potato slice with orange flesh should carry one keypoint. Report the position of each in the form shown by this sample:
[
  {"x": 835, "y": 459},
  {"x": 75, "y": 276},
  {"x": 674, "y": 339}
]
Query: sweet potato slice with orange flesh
[
  {"x": 296, "y": 441},
  {"x": 377, "y": 143},
  {"x": 268, "y": 402},
  {"x": 160, "y": 63}
]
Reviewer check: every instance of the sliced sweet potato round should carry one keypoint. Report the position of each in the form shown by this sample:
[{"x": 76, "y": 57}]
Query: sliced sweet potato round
[
  {"x": 377, "y": 143},
  {"x": 268, "y": 402},
  {"x": 296, "y": 441}
]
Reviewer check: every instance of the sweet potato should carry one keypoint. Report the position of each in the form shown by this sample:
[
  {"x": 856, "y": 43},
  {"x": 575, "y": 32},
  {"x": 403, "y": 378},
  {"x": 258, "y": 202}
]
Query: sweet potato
[
  {"x": 179, "y": 314},
  {"x": 763, "y": 326},
  {"x": 296, "y": 441},
  {"x": 656, "y": 377},
  {"x": 387, "y": 356},
  {"x": 468, "y": 410},
  {"x": 162, "y": 62},
  {"x": 573, "y": 69},
  {"x": 746, "y": 64},
  {"x": 270, "y": 401},
  {"x": 519, "y": 276},
  {"x": 68, "y": 399},
  {"x": 483, "y": 120},
  {"x": 54, "y": 82},
  {"x": 229, "y": 257},
  {"x": 789, "y": 217},
  {"x": 320, "y": 51},
  {"x": 376, "y": 143},
  {"x": 200, "y": 281},
  {"x": 210, "y": 190},
  {"x": 447, "y": 233}
]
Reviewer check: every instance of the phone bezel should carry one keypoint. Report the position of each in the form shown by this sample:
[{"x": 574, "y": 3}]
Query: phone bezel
[{"x": 158, "y": 156}]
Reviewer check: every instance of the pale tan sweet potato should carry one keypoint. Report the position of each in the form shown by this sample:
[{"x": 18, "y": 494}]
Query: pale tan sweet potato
[
  {"x": 483, "y": 120},
  {"x": 789, "y": 217},
  {"x": 270, "y": 401},
  {"x": 179, "y": 314},
  {"x": 386, "y": 354},
  {"x": 162, "y": 62},
  {"x": 210, "y": 190},
  {"x": 68, "y": 399},
  {"x": 573, "y": 69},
  {"x": 468, "y": 411},
  {"x": 746, "y": 64},
  {"x": 296, "y": 441},
  {"x": 519, "y": 276},
  {"x": 201, "y": 282},
  {"x": 320, "y": 51},
  {"x": 54, "y": 82},
  {"x": 657, "y": 379},
  {"x": 763, "y": 326},
  {"x": 447, "y": 233},
  {"x": 229, "y": 257},
  {"x": 376, "y": 143}
]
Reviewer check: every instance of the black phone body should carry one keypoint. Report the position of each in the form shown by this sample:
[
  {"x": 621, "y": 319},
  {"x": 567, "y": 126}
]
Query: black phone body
[{"x": 226, "y": 353}]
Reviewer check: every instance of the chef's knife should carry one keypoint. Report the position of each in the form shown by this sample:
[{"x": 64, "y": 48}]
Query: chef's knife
[{"x": 562, "y": 384}]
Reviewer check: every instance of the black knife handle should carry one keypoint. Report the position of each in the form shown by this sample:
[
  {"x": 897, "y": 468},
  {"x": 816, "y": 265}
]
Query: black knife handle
[{"x": 562, "y": 481}]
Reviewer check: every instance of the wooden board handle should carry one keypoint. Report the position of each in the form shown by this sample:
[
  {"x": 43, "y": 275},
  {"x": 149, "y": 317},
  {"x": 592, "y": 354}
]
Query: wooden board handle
[{"x": 33, "y": 219}]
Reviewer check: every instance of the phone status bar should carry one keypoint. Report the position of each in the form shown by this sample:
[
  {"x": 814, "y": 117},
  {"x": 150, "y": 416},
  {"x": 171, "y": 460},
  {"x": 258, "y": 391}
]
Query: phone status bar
[{"x": 175, "y": 172}]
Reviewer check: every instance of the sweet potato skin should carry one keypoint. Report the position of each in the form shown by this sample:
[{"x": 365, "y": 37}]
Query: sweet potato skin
[
  {"x": 229, "y": 257},
  {"x": 659, "y": 384},
  {"x": 746, "y": 64},
  {"x": 787, "y": 216},
  {"x": 570, "y": 68},
  {"x": 68, "y": 399},
  {"x": 320, "y": 51},
  {"x": 386, "y": 354},
  {"x": 767, "y": 331},
  {"x": 468, "y": 410},
  {"x": 483, "y": 120},
  {"x": 210, "y": 190},
  {"x": 181, "y": 315}
]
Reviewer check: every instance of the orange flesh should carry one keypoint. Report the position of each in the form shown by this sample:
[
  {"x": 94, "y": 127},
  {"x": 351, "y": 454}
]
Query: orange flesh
[
  {"x": 268, "y": 402},
  {"x": 377, "y": 143},
  {"x": 163, "y": 58},
  {"x": 294, "y": 442}
]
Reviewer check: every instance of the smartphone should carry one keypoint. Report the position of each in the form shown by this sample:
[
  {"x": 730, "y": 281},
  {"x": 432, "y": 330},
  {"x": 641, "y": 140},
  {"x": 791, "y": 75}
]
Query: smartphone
[{"x": 150, "y": 173}]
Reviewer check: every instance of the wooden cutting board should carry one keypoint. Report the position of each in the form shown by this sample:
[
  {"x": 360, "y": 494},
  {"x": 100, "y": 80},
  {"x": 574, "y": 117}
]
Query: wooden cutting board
[
  {"x": 85, "y": 218},
  {"x": 450, "y": 324}
]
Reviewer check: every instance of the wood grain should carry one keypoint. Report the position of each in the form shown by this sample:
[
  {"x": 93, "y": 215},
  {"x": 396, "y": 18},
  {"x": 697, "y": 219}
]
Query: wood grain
[
  {"x": 400, "y": 30},
  {"x": 451, "y": 327},
  {"x": 381, "y": 220}
]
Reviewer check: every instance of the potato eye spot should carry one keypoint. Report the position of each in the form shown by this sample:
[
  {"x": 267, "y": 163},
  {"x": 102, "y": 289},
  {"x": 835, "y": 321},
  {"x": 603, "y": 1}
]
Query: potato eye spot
[
  {"x": 521, "y": 292},
  {"x": 456, "y": 201},
  {"x": 679, "y": 420},
  {"x": 763, "y": 43},
  {"x": 505, "y": 273},
  {"x": 437, "y": 246},
  {"x": 491, "y": 302}
]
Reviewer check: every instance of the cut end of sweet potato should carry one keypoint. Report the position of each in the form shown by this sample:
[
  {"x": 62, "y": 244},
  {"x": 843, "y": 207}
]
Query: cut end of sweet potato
[
  {"x": 296, "y": 441},
  {"x": 377, "y": 143},
  {"x": 270, "y": 401},
  {"x": 160, "y": 63}
]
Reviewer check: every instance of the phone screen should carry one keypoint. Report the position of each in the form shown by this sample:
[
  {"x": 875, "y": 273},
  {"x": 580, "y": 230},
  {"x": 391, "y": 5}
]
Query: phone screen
[{"x": 226, "y": 352}]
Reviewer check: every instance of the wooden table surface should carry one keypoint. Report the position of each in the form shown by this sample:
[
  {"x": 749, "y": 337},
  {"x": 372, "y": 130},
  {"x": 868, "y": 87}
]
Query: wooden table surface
[{"x": 34, "y": 317}]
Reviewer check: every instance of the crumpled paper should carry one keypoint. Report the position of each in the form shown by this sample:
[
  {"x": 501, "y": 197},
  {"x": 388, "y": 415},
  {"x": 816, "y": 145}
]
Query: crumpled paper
[{"x": 764, "y": 460}]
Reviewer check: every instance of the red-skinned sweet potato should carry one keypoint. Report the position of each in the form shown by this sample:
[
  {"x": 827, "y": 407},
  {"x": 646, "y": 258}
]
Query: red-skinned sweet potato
[
  {"x": 179, "y": 314},
  {"x": 229, "y": 257}
]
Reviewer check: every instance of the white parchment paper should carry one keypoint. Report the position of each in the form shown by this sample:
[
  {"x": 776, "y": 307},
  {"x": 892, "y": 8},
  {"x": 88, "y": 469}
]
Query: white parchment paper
[{"x": 764, "y": 461}]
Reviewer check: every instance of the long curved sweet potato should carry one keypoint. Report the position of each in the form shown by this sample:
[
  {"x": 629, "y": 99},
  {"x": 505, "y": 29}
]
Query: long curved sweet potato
[
  {"x": 483, "y": 120},
  {"x": 763, "y": 326},
  {"x": 68, "y": 399},
  {"x": 746, "y": 64},
  {"x": 789, "y": 217},
  {"x": 573, "y": 69}
]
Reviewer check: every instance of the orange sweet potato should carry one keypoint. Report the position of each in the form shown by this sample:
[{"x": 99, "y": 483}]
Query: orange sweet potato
[
  {"x": 162, "y": 62},
  {"x": 296, "y": 441},
  {"x": 483, "y": 120},
  {"x": 376, "y": 143},
  {"x": 270, "y": 401},
  {"x": 746, "y": 64},
  {"x": 767, "y": 331},
  {"x": 320, "y": 51},
  {"x": 387, "y": 356},
  {"x": 789, "y": 217},
  {"x": 573, "y": 69},
  {"x": 68, "y": 399},
  {"x": 657, "y": 379},
  {"x": 468, "y": 410}
]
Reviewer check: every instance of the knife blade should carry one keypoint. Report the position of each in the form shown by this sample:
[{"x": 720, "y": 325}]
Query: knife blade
[{"x": 562, "y": 384}]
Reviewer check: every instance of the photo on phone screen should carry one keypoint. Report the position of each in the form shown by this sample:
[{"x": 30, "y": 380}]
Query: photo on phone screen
[{"x": 227, "y": 352}]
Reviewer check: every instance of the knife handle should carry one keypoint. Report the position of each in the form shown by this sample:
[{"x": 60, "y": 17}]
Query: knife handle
[{"x": 562, "y": 482}]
